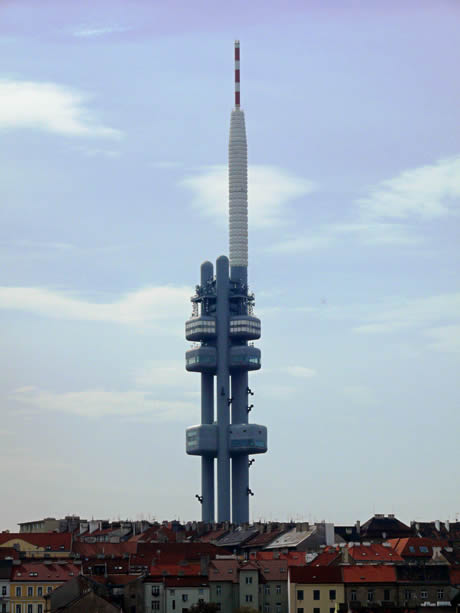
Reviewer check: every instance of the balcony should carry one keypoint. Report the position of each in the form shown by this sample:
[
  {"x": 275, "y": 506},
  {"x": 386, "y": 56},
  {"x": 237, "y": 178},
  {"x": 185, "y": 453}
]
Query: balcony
[
  {"x": 200, "y": 328},
  {"x": 245, "y": 327}
]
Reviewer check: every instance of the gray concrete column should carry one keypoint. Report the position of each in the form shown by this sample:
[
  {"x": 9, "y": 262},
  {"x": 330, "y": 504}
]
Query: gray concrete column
[
  {"x": 240, "y": 463},
  {"x": 207, "y": 417},
  {"x": 223, "y": 407}
]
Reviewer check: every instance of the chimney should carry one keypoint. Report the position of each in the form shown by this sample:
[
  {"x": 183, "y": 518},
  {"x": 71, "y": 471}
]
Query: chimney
[
  {"x": 358, "y": 526},
  {"x": 437, "y": 525}
]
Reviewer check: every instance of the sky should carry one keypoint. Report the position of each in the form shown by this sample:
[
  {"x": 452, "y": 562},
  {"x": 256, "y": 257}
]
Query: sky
[{"x": 114, "y": 120}]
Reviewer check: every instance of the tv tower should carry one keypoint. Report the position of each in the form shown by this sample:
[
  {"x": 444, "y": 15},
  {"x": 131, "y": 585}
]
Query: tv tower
[{"x": 221, "y": 325}]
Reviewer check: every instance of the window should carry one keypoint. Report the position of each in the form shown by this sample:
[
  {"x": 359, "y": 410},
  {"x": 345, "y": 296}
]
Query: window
[
  {"x": 155, "y": 590},
  {"x": 407, "y": 594},
  {"x": 424, "y": 549},
  {"x": 315, "y": 594},
  {"x": 386, "y": 594},
  {"x": 248, "y": 597},
  {"x": 248, "y": 579},
  {"x": 267, "y": 608},
  {"x": 184, "y": 597},
  {"x": 267, "y": 590},
  {"x": 3, "y": 590},
  {"x": 3, "y": 608},
  {"x": 300, "y": 610},
  {"x": 155, "y": 605},
  {"x": 173, "y": 605},
  {"x": 49, "y": 589},
  {"x": 332, "y": 595},
  {"x": 29, "y": 608},
  {"x": 18, "y": 608},
  {"x": 218, "y": 590},
  {"x": 278, "y": 589},
  {"x": 39, "y": 608},
  {"x": 440, "y": 594},
  {"x": 278, "y": 607},
  {"x": 30, "y": 591},
  {"x": 353, "y": 595},
  {"x": 18, "y": 590},
  {"x": 299, "y": 594},
  {"x": 370, "y": 595},
  {"x": 332, "y": 610},
  {"x": 316, "y": 610},
  {"x": 423, "y": 595},
  {"x": 185, "y": 610},
  {"x": 39, "y": 591}
]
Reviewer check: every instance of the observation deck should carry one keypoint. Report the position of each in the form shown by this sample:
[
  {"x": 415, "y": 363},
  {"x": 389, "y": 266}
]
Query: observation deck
[
  {"x": 201, "y": 359},
  {"x": 200, "y": 328},
  {"x": 201, "y": 440},
  {"x": 245, "y": 327},
  {"x": 246, "y": 439},
  {"x": 243, "y": 357}
]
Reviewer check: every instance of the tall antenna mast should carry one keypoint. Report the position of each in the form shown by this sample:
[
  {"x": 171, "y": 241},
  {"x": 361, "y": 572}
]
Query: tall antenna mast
[
  {"x": 238, "y": 184},
  {"x": 237, "y": 74}
]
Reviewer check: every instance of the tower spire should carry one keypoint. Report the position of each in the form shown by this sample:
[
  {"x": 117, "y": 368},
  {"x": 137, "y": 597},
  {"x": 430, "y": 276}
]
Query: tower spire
[
  {"x": 237, "y": 74},
  {"x": 238, "y": 184}
]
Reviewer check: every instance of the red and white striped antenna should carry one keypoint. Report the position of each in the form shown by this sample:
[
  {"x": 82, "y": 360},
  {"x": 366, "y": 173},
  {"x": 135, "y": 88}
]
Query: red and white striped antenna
[{"x": 237, "y": 74}]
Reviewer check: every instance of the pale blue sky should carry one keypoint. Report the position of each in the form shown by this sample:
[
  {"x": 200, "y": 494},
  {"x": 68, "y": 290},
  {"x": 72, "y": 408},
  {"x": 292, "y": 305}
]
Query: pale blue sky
[{"x": 114, "y": 122}]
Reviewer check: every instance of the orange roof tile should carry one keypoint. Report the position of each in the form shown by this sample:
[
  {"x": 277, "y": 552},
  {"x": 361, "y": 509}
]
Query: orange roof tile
[{"x": 369, "y": 574}]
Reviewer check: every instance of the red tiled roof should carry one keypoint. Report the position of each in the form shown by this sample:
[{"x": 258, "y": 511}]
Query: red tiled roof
[
  {"x": 374, "y": 552},
  {"x": 8, "y": 552},
  {"x": 455, "y": 576},
  {"x": 56, "y": 540},
  {"x": 91, "y": 550},
  {"x": 320, "y": 574},
  {"x": 274, "y": 570},
  {"x": 213, "y": 535},
  {"x": 175, "y": 569},
  {"x": 38, "y": 571},
  {"x": 326, "y": 558},
  {"x": 293, "y": 558},
  {"x": 179, "y": 582},
  {"x": 115, "y": 579},
  {"x": 368, "y": 573},
  {"x": 411, "y": 547}
]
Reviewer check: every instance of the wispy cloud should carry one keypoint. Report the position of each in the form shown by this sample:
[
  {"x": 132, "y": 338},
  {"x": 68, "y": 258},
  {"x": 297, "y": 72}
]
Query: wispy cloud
[
  {"x": 366, "y": 232},
  {"x": 437, "y": 315},
  {"x": 170, "y": 373},
  {"x": 301, "y": 372},
  {"x": 270, "y": 191},
  {"x": 51, "y": 107},
  {"x": 133, "y": 404},
  {"x": 153, "y": 304},
  {"x": 387, "y": 215},
  {"x": 95, "y": 31},
  {"x": 166, "y": 165},
  {"x": 359, "y": 394},
  {"x": 427, "y": 192},
  {"x": 445, "y": 338}
]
